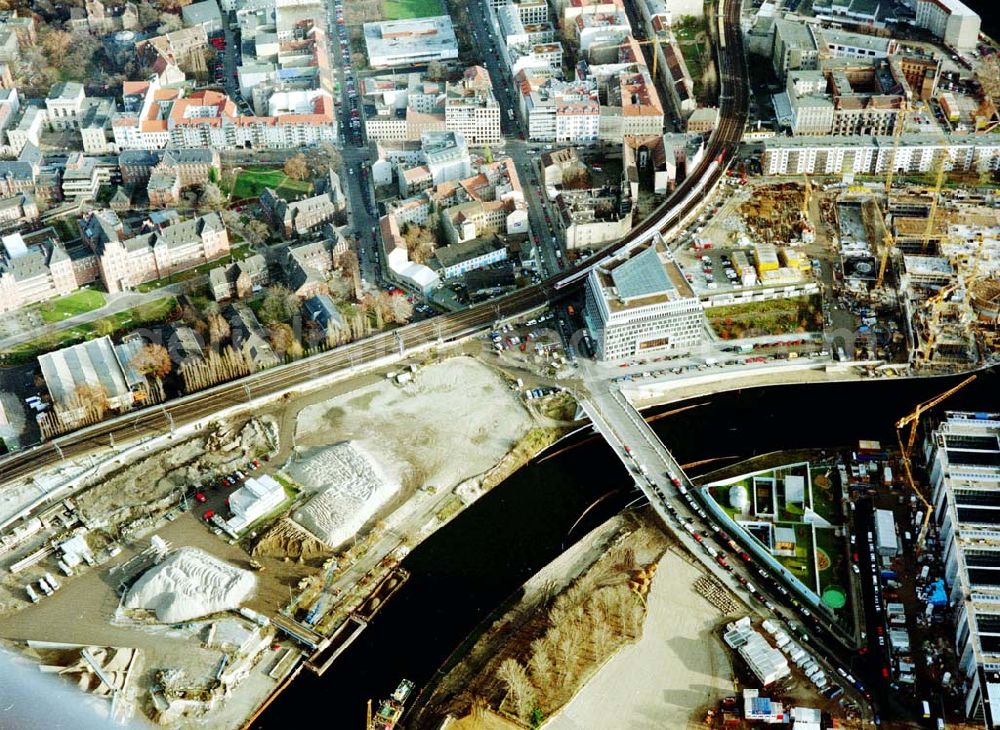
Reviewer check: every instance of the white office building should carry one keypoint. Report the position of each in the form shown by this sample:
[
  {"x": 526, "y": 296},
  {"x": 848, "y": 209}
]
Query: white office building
[
  {"x": 641, "y": 305},
  {"x": 950, "y": 20}
]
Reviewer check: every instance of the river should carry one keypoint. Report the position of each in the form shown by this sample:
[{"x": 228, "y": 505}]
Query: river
[{"x": 464, "y": 571}]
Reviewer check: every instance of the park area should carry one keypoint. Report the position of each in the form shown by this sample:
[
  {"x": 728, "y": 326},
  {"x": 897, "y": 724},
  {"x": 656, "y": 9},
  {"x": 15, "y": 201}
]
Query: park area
[
  {"x": 144, "y": 314},
  {"x": 775, "y": 317},
  {"x": 250, "y": 183},
  {"x": 404, "y": 9},
  {"x": 79, "y": 302}
]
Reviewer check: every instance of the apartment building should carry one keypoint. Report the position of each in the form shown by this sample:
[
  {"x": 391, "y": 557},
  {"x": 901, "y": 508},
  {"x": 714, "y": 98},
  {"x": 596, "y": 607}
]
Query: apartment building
[
  {"x": 592, "y": 217},
  {"x": 211, "y": 119},
  {"x": 642, "y": 306},
  {"x": 126, "y": 262},
  {"x": 471, "y": 108},
  {"x": 963, "y": 455},
  {"x": 866, "y": 155},
  {"x": 35, "y": 270},
  {"x": 559, "y": 111},
  {"x": 457, "y": 259},
  {"x": 482, "y": 219},
  {"x": 299, "y": 217},
  {"x": 63, "y": 104},
  {"x": 847, "y": 99}
]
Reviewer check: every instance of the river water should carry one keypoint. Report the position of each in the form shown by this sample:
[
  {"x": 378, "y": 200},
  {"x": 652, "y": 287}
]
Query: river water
[{"x": 463, "y": 572}]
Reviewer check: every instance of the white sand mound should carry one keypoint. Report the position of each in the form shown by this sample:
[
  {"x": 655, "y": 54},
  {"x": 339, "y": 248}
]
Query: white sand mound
[
  {"x": 189, "y": 584},
  {"x": 350, "y": 491}
]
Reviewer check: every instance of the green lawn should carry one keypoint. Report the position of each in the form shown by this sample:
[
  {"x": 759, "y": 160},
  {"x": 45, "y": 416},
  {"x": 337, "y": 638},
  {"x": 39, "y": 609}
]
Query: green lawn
[
  {"x": 79, "y": 302},
  {"x": 149, "y": 313},
  {"x": 402, "y": 9},
  {"x": 837, "y": 573},
  {"x": 778, "y": 316},
  {"x": 250, "y": 183}
]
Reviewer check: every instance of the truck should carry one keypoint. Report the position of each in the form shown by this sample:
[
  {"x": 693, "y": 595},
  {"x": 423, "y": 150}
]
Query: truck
[
  {"x": 45, "y": 587},
  {"x": 35, "y": 598},
  {"x": 56, "y": 585}
]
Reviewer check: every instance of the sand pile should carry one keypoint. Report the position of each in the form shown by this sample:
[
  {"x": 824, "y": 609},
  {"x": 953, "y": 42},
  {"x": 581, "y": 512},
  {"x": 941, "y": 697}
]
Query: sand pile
[
  {"x": 190, "y": 584},
  {"x": 349, "y": 491}
]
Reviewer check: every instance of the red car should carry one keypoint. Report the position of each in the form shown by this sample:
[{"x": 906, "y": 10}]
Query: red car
[
  {"x": 209, "y": 514},
  {"x": 200, "y": 497}
]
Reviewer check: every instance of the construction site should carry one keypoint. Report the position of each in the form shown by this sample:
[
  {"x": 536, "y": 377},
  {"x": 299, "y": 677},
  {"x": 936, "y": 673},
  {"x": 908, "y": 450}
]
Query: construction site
[
  {"x": 907, "y": 270},
  {"x": 196, "y": 578}
]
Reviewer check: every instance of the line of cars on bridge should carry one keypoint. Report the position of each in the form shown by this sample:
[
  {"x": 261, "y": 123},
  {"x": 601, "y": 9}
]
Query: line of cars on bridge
[{"x": 726, "y": 542}]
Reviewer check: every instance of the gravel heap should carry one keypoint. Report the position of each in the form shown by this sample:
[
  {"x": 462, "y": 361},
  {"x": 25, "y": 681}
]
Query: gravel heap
[{"x": 190, "y": 584}]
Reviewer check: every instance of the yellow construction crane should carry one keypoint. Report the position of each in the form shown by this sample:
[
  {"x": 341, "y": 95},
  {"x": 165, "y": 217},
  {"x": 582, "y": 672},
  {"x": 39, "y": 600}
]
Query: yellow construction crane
[
  {"x": 887, "y": 243},
  {"x": 905, "y": 450},
  {"x": 939, "y": 182},
  {"x": 897, "y": 132}
]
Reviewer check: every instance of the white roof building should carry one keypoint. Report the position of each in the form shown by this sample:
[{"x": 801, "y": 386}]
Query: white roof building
[
  {"x": 767, "y": 663},
  {"x": 806, "y": 718},
  {"x": 885, "y": 533},
  {"x": 409, "y": 42},
  {"x": 257, "y": 497}
]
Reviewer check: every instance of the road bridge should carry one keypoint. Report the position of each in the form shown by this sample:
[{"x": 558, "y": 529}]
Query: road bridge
[{"x": 685, "y": 513}]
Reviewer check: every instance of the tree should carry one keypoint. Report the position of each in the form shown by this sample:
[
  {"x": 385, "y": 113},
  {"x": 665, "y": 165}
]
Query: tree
[
  {"x": 296, "y": 167},
  {"x": 348, "y": 263},
  {"x": 218, "y": 328},
  {"x": 436, "y": 71},
  {"x": 282, "y": 338},
  {"x": 168, "y": 23},
  {"x": 153, "y": 360},
  {"x": 147, "y": 14},
  {"x": 279, "y": 305},
  {"x": 400, "y": 309},
  {"x": 54, "y": 43},
  {"x": 213, "y": 175},
  {"x": 92, "y": 398},
  {"x": 211, "y": 197},
  {"x": 522, "y": 691}
]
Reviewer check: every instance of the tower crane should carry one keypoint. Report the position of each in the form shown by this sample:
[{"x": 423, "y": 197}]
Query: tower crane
[{"x": 912, "y": 420}]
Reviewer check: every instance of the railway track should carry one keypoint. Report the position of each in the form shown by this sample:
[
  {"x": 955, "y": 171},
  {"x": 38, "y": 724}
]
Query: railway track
[{"x": 685, "y": 199}]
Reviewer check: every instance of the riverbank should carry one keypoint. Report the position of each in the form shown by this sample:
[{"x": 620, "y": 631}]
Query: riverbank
[
  {"x": 668, "y": 678},
  {"x": 545, "y": 646}
]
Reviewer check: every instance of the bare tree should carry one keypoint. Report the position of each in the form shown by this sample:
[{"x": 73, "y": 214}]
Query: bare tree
[
  {"x": 348, "y": 263},
  {"x": 400, "y": 309},
  {"x": 211, "y": 197},
  {"x": 92, "y": 398},
  {"x": 296, "y": 167},
  {"x": 523, "y": 693},
  {"x": 153, "y": 360},
  {"x": 218, "y": 328}
]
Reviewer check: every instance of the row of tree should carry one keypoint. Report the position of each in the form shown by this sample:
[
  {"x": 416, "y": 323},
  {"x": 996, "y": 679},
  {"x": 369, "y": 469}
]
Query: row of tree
[{"x": 585, "y": 624}]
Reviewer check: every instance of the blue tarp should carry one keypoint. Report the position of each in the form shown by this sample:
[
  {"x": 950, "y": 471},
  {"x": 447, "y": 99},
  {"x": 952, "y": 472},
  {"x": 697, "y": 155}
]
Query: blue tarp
[{"x": 938, "y": 597}]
